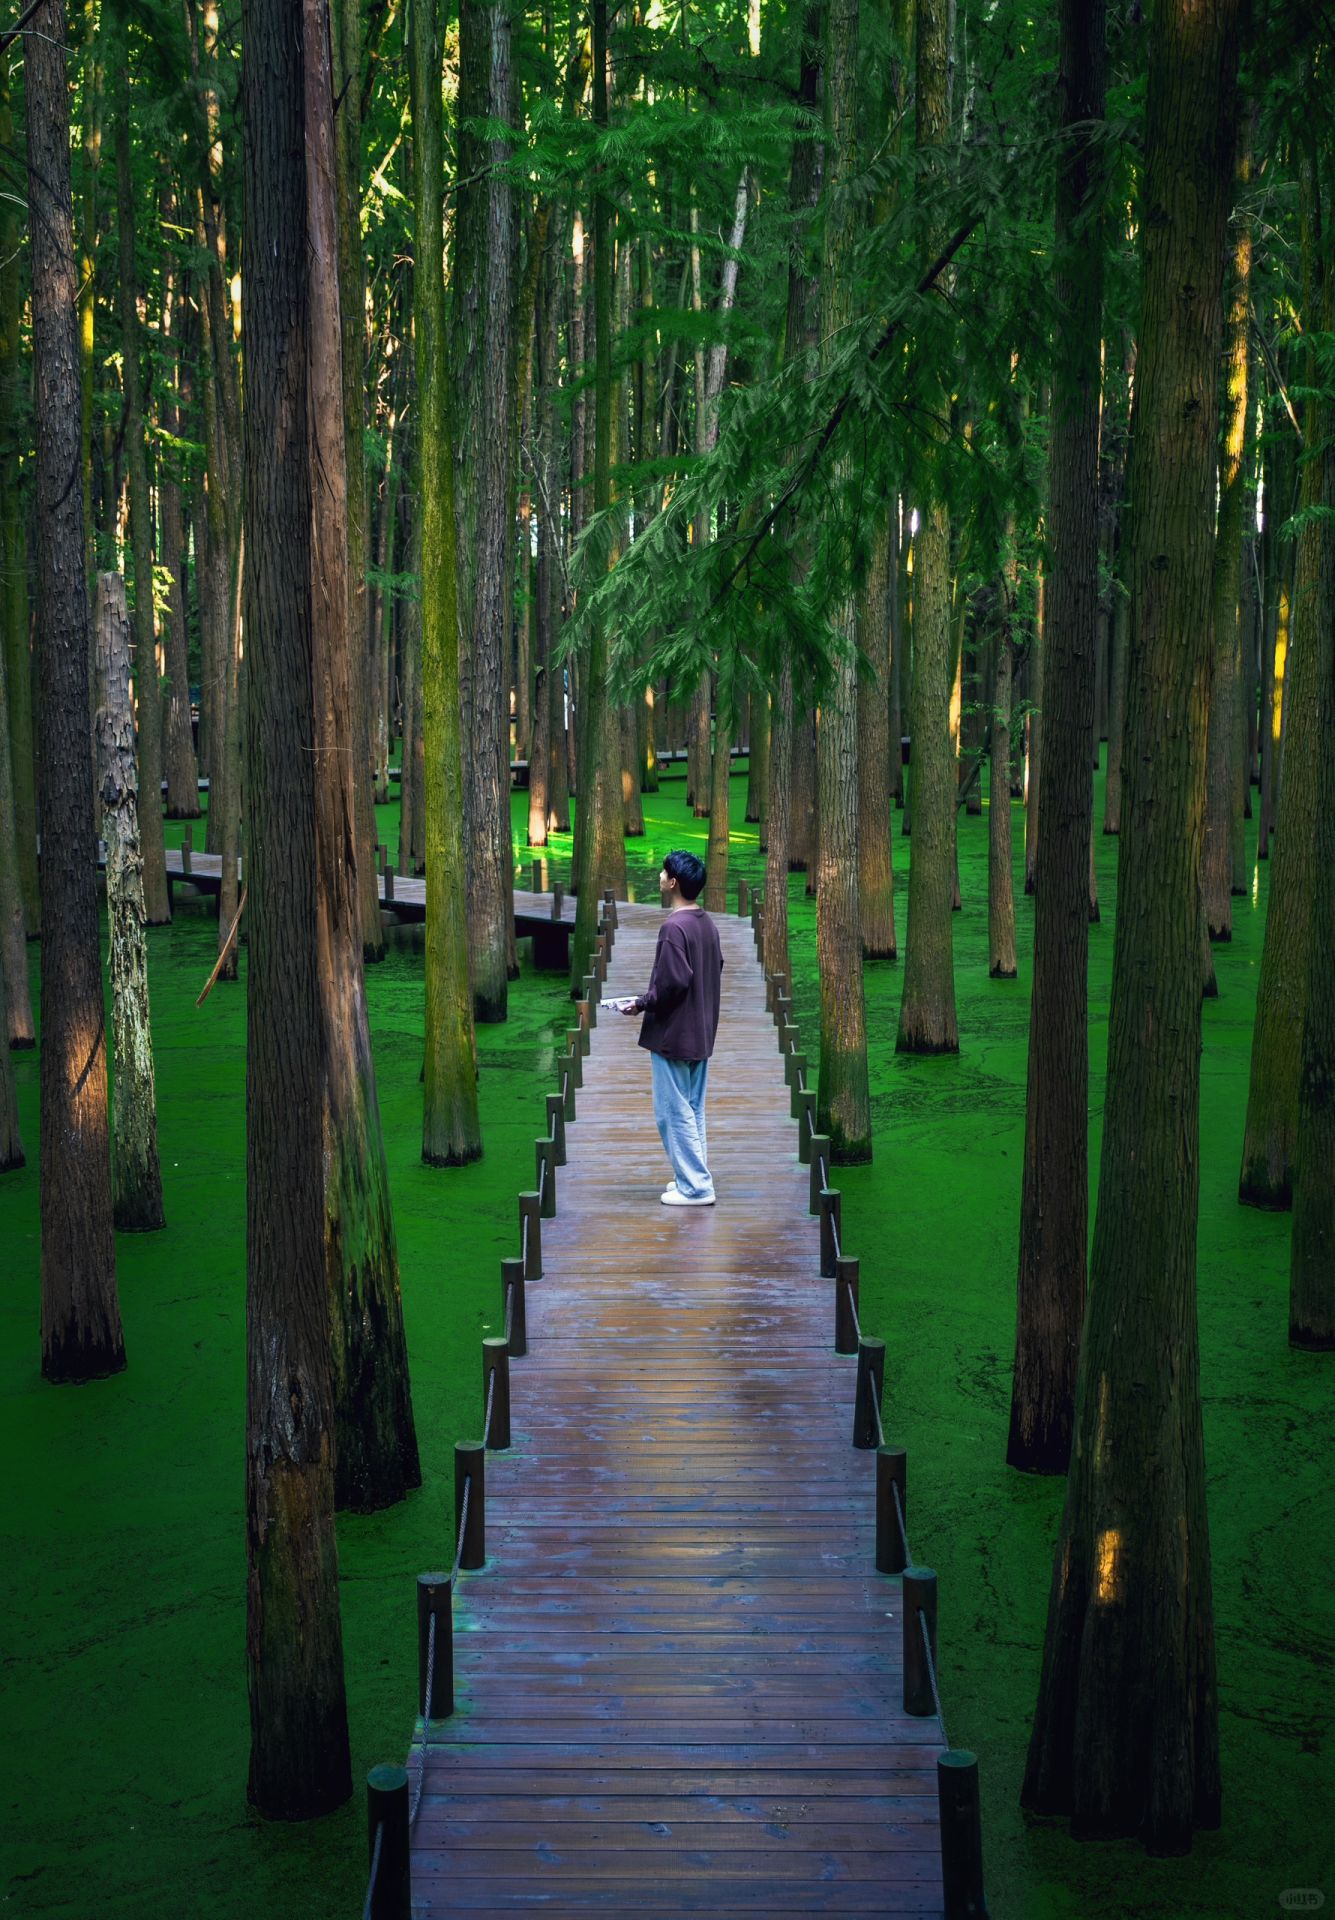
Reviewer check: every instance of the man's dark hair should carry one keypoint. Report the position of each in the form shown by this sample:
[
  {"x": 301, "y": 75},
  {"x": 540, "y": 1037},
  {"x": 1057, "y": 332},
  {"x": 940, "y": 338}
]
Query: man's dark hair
[{"x": 688, "y": 870}]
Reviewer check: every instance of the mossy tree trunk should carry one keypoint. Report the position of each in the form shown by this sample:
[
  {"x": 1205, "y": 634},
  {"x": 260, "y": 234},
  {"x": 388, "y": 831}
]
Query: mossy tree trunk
[
  {"x": 1054, "y": 1202},
  {"x": 81, "y": 1323},
  {"x": 299, "y": 1755},
  {"x": 927, "y": 1009},
  {"x": 136, "y": 1173},
  {"x": 147, "y": 673},
  {"x": 1125, "y": 1736},
  {"x": 451, "y": 1131}
]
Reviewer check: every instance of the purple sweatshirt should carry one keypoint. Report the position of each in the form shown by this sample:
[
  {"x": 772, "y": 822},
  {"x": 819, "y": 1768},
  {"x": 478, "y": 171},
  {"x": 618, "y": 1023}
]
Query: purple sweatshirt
[{"x": 681, "y": 1002}]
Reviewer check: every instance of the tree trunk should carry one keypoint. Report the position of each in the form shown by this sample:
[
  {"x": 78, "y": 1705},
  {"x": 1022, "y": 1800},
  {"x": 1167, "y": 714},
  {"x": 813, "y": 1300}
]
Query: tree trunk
[
  {"x": 483, "y": 281},
  {"x": 14, "y": 619},
  {"x": 1033, "y": 764},
  {"x": 757, "y": 758},
  {"x": 299, "y": 1758},
  {"x": 136, "y": 1181},
  {"x": 1000, "y": 876},
  {"x": 178, "y": 746},
  {"x": 81, "y": 1322},
  {"x": 1125, "y": 1736},
  {"x": 1112, "y": 779},
  {"x": 1270, "y": 1134},
  {"x": 876, "y": 878},
  {"x": 1054, "y": 1203},
  {"x": 17, "y": 1029},
  {"x": 802, "y": 805},
  {"x": 927, "y": 1010},
  {"x": 774, "y": 933},
  {"x": 1226, "y": 663},
  {"x": 720, "y": 767},
  {"x": 346, "y": 42},
  {"x": 547, "y": 727},
  {"x": 147, "y": 674},
  {"x": 11, "y": 1140}
]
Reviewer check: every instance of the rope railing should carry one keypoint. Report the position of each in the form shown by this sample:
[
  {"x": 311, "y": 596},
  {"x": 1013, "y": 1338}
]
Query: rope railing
[
  {"x": 391, "y": 1810},
  {"x": 957, "y": 1769}
]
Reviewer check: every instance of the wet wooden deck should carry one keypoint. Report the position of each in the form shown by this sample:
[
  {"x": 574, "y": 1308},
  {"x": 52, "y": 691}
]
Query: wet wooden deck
[{"x": 678, "y": 1678}]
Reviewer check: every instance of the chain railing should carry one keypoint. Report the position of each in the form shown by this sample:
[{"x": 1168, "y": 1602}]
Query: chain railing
[
  {"x": 393, "y": 1802},
  {"x": 957, "y": 1768}
]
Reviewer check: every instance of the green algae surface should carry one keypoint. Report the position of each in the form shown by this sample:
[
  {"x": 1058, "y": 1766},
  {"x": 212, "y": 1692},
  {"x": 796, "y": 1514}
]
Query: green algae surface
[{"x": 122, "y": 1771}]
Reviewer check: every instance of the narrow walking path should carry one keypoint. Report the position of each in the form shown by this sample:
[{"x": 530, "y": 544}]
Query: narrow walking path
[{"x": 678, "y": 1680}]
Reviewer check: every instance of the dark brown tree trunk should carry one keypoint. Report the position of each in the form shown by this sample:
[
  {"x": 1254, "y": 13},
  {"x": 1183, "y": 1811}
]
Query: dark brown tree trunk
[
  {"x": 16, "y": 1027},
  {"x": 1125, "y": 1736},
  {"x": 802, "y": 804},
  {"x": 299, "y": 1756},
  {"x": 1000, "y": 877},
  {"x": 14, "y": 616},
  {"x": 178, "y": 746},
  {"x": 147, "y": 674},
  {"x": 81, "y": 1322},
  {"x": 876, "y": 877},
  {"x": 1054, "y": 1203}
]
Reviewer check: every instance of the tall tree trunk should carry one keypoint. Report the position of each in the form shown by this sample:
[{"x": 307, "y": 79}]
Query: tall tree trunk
[
  {"x": 14, "y": 620},
  {"x": 81, "y": 1322},
  {"x": 147, "y": 674},
  {"x": 774, "y": 936},
  {"x": 1000, "y": 875},
  {"x": 136, "y": 1182},
  {"x": 483, "y": 280},
  {"x": 757, "y": 757},
  {"x": 346, "y": 41},
  {"x": 1226, "y": 662},
  {"x": 1054, "y": 1202},
  {"x": 1112, "y": 779},
  {"x": 927, "y": 1010},
  {"x": 178, "y": 746},
  {"x": 1125, "y": 1735},
  {"x": 16, "y": 1028},
  {"x": 1281, "y": 996},
  {"x": 545, "y": 737},
  {"x": 299, "y": 1757},
  {"x": 876, "y": 878},
  {"x": 451, "y": 1132}
]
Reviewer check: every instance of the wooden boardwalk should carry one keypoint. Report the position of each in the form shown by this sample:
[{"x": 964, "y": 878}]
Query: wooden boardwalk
[{"x": 678, "y": 1681}]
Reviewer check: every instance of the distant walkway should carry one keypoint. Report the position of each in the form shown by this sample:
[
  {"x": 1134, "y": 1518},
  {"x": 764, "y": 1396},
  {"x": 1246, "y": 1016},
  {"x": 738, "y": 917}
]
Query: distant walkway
[{"x": 678, "y": 1680}]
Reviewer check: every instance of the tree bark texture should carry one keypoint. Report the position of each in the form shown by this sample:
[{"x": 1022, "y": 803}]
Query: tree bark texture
[
  {"x": 774, "y": 932},
  {"x": 1000, "y": 873},
  {"x": 1125, "y": 1736},
  {"x": 1221, "y": 787},
  {"x": 451, "y": 1131},
  {"x": 147, "y": 673},
  {"x": 16, "y": 1029},
  {"x": 1054, "y": 1202},
  {"x": 178, "y": 745},
  {"x": 1270, "y": 1135},
  {"x": 299, "y": 1756},
  {"x": 14, "y": 619},
  {"x": 136, "y": 1173},
  {"x": 927, "y": 1009},
  {"x": 483, "y": 279},
  {"x": 81, "y": 1323},
  {"x": 375, "y": 1451},
  {"x": 876, "y": 877}
]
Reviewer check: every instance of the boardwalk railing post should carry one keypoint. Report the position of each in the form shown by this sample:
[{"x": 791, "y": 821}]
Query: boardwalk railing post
[
  {"x": 820, "y": 1160},
  {"x": 870, "y": 1388},
  {"x": 530, "y": 1231},
  {"x": 387, "y": 1843},
  {"x": 783, "y": 1007},
  {"x": 788, "y": 1037},
  {"x": 846, "y": 1275},
  {"x": 919, "y": 1597},
  {"x": 496, "y": 1386},
  {"x": 558, "y": 899},
  {"x": 575, "y": 1042},
  {"x": 544, "y": 1158},
  {"x": 435, "y": 1600},
  {"x": 610, "y": 906},
  {"x": 584, "y": 1014},
  {"x": 961, "y": 1835},
  {"x": 556, "y": 1126},
  {"x": 891, "y": 1472},
  {"x": 514, "y": 1313},
  {"x": 387, "y": 877},
  {"x": 569, "y": 1063},
  {"x": 537, "y": 876},
  {"x": 187, "y": 851},
  {"x": 743, "y": 899},
  {"x": 470, "y": 1470},
  {"x": 831, "y": 1223},
  {"x": 806, "y": 1124},
  {"x": 590, "y": 1000}
]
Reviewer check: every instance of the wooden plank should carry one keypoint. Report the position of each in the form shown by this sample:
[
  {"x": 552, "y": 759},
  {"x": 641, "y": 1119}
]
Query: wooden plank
[{"x": 678, "y": 1684}]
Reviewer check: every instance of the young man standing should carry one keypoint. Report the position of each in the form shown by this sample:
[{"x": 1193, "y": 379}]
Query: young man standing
[{"x": 680, "y": 1006}]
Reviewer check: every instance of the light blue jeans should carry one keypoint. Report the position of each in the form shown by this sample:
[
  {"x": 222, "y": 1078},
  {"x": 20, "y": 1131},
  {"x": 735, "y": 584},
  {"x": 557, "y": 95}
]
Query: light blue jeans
[{"x": 679, "y": 1109}]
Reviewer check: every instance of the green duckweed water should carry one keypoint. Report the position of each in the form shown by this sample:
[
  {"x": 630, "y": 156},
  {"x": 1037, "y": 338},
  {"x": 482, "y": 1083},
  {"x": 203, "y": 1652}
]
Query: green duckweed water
[{"x": 123, "y": 1767}]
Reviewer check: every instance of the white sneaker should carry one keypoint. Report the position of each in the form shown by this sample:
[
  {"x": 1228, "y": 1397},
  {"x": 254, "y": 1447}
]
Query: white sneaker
[{"x": 672, "y": 1198}]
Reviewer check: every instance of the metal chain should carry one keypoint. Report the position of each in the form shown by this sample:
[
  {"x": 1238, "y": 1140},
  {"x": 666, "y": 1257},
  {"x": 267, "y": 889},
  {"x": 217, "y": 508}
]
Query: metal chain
[
  {"x": 931, "y": 1674},
  {"x": 899, "y": 1516},
  {"x": 542, "y": 1184},
  {"x": 509, "y": 1309},
  {"x": 565, "y": 1086},
  {"x": 523, "y": 1244},
  {"x": 491, "y": 1395},
  {"x": 834, "y": 1235},
  {"x": 375, "y": 1868},
  {"x": 463, "y": 1525},
  {"x": 426, "y": 1717},
  {"x": 876, "y": 1409}
]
